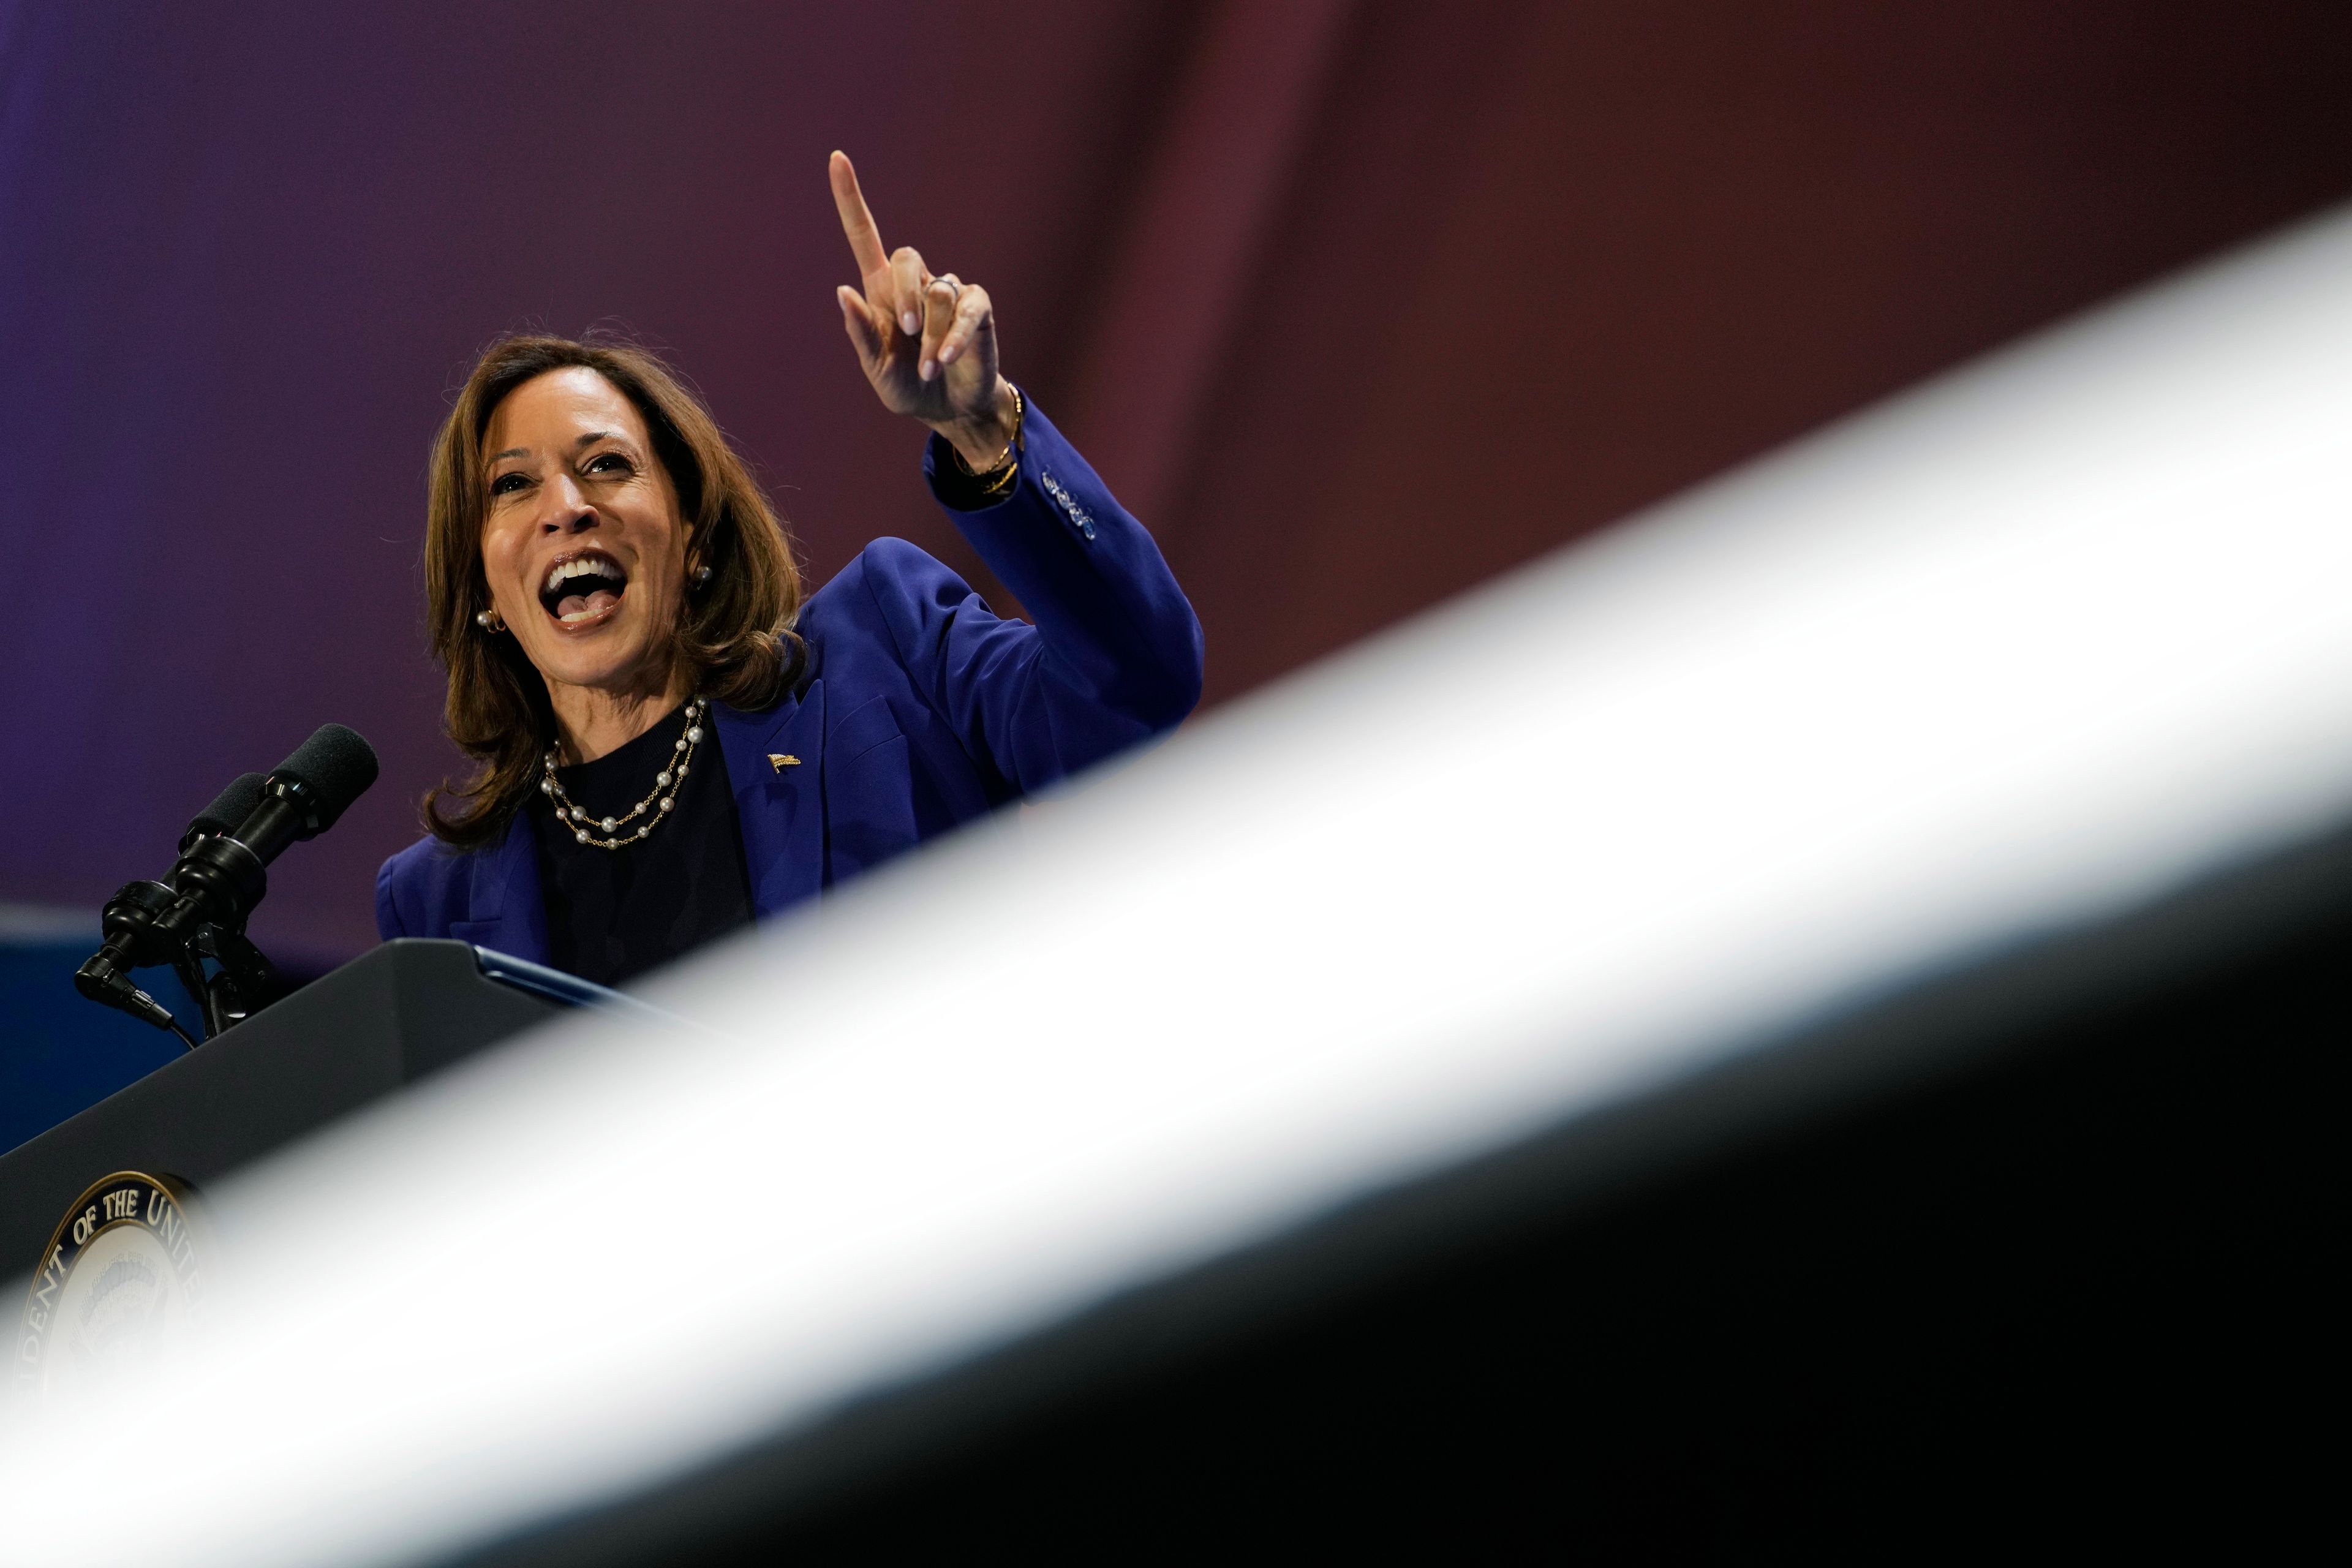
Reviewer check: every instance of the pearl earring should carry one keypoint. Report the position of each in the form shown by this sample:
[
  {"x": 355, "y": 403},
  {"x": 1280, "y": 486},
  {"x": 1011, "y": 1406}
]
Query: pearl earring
[
  {"x": 702, "y": 578},
  {"x": 488, "y": 621}
]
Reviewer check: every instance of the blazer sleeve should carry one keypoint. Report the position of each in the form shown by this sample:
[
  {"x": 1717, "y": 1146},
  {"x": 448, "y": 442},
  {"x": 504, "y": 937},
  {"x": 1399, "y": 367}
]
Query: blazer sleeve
[
  {"x": 1114, "y": 655},
  {"x": 388, "y": 923}
]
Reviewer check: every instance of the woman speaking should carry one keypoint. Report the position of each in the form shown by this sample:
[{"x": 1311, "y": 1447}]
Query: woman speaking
[{"x": 671, "y": 741}]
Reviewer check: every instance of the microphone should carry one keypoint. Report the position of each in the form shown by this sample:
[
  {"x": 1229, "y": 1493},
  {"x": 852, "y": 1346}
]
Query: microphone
[
  {"x": 229, "y": 808},
  {"x": 221, "y": 872},
  {"x": 221, "y": 877}
]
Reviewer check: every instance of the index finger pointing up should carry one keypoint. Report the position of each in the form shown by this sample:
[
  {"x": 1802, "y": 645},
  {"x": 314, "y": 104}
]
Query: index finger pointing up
[{"x": 856, "y": 218}]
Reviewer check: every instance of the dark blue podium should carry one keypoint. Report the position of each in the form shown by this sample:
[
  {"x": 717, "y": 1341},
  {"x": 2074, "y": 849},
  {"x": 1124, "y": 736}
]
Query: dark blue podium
[{"x": 399, "y": 1013}]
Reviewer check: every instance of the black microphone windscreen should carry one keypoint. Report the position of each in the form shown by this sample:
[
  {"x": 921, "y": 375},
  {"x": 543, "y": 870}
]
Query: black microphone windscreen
[
  {"x": 229, "y": 808},
  {"x": 337, "y": 765}
]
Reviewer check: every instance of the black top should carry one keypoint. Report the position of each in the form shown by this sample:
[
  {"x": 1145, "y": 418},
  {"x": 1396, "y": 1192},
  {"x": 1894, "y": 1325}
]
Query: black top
[{"x": 615, "y": 913}]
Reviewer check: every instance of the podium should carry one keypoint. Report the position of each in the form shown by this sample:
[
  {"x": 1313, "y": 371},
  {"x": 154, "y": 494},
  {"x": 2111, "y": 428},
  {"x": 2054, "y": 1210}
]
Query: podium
[{"x": 404, "y": 1010}]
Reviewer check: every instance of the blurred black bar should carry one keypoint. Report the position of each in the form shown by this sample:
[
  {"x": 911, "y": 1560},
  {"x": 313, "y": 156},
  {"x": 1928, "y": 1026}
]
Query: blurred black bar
[{"x": 2030, "y": 1252}]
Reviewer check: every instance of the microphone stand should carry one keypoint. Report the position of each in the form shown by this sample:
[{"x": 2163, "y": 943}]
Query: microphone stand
[
  {"x": 136, "y": 937},
  {"x": 245, "y": 983},
  {"x": 133, "y": 942}
]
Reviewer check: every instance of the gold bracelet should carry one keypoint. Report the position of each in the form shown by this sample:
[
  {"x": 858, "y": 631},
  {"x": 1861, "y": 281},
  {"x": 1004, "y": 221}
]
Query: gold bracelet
[{"x": 1000, "y": 472}]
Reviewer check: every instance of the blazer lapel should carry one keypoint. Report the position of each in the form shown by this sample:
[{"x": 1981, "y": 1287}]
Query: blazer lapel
[
  {"x": 505, "y": 909},
  {"x": 780, "y": 806},
  {"x": 775, "y": 762}
]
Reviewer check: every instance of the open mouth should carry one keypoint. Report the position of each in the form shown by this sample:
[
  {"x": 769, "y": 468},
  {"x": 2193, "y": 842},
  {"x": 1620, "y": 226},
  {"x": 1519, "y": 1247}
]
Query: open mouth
[{"x": 584, "y": 586}]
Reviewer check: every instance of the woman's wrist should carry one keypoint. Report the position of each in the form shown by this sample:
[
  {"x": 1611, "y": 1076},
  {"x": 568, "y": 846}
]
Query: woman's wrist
[{"x": 986, "y": 441}]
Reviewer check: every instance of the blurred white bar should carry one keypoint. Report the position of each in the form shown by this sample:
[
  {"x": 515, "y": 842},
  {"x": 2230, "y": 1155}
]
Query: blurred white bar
[{"x": 2014, "y": 652}]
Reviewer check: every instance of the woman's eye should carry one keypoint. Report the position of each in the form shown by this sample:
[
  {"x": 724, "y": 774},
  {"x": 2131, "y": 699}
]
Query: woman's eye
[
  {"x": 609, "y": 463},
  {"x": 505, "y": 484}
]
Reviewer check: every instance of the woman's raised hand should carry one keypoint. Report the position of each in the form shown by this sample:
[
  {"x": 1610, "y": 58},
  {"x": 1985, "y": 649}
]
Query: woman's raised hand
[{"x": 927, "y": 343}]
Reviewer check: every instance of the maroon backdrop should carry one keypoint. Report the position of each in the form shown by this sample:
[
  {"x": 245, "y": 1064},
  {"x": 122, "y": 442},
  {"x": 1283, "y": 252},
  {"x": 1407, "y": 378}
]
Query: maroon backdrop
[{"x": 1357, "y": 304}]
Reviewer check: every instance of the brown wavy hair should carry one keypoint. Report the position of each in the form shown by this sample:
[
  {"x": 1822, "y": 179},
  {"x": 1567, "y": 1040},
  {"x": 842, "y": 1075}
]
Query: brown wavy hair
[{"x": 735, "y": 635}]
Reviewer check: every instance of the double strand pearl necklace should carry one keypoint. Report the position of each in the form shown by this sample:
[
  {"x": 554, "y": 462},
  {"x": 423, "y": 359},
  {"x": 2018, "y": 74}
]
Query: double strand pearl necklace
[{"x": 581, "y": 822}]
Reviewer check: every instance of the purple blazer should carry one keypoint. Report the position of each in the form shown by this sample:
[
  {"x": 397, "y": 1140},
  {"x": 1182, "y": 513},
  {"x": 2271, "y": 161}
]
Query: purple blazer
[{"x": 919, "y": 709}]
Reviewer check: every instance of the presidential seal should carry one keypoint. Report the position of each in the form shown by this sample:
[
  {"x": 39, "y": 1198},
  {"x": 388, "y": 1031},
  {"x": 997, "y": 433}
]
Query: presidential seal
[{"x": 122, "y": 1275}]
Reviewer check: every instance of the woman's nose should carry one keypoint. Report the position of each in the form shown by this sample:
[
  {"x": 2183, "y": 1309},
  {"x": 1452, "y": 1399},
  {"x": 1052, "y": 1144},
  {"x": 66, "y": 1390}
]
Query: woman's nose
[{"x": 563, "y": 510}]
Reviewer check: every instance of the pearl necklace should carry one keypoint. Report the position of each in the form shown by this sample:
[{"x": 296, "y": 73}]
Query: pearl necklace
[{"x": 579, "y": 821}]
